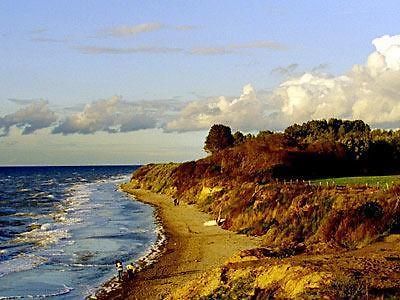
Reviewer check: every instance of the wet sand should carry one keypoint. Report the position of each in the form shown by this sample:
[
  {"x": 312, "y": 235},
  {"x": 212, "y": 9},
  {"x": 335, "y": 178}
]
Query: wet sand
[{"x": 191, "y": 249}]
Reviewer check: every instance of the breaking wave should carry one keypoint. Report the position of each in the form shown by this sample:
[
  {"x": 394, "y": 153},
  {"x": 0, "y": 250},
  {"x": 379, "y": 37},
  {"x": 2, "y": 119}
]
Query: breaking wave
[{"x": 62, "y": 228}]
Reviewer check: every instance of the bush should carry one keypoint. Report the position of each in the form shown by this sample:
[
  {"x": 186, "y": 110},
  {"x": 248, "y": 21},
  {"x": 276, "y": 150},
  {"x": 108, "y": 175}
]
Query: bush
[{"x": 372, "y": 210}]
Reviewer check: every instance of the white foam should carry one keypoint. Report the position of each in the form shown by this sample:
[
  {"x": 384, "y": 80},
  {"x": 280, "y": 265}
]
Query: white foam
[
  {"x": 48, "y": 182},
  {"x": 114, "y": 179},
  {"x": 38, "y": 195},
  {"x": 42, "y": 236},
  {"x": 22, "y": 262},
  {"x": 149, "y": 257}
]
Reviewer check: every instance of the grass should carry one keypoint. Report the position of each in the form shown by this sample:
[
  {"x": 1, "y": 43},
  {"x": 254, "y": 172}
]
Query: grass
[{"x": 380, "y": 181}]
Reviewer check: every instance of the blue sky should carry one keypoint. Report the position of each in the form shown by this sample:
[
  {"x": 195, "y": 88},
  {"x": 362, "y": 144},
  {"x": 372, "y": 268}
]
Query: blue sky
[{"x": 160, "y": 68}]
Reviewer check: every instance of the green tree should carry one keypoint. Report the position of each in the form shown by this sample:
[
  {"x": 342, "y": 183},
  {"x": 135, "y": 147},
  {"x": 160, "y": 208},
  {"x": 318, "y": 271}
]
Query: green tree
[
  {"x": 238, "y": 138},
  {"x": 219, "y": 137},
  {"x": 264, "y": 133}
]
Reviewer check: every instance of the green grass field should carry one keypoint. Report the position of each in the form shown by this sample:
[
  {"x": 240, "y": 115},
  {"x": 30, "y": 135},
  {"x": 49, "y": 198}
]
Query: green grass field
[{"x": 382, "y": 181}]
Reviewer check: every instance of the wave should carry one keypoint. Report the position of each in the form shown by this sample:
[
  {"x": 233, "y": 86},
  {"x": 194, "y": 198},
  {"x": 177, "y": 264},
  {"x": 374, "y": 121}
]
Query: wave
[
  {"x": 22, "y": 262},
  {"x": 42, "y": 236},
  {"x": 48, "y": 182},
  {"x": 156, "y": 250},
  {"x": 38, "y": 195},
  {"x": 149, "y": 257},
  {"x": 78, "y": 265},
  {"x": 67, "y": 213},
  {"x": 58, "y": 218}
]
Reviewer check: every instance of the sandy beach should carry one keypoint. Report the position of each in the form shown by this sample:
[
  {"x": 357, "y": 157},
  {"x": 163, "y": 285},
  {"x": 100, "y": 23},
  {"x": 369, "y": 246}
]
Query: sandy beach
[{"x": 191, "y": 249}]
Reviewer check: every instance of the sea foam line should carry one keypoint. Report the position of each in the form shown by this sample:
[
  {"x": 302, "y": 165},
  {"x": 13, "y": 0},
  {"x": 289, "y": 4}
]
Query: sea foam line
[{"x": 149, "y": 257}]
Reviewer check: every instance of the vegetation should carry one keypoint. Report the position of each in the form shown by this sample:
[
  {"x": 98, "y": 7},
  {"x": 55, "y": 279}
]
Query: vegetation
[
  {"x": 265, "y": 185},
  {"x": 261, "y": 186},
  {"x": 219, "y": 137},
  {"x": 374, "y": 181},
  {"x": 359, "y": 151}
]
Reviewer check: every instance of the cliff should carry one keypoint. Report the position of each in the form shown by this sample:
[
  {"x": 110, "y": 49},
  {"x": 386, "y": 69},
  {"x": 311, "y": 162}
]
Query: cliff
[
  {"x": 318, "y": 240},
  {"x": 291, "y": 215}
]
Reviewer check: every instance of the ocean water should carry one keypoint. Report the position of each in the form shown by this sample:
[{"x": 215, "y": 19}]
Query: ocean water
[{"x": 62, "y": 228}]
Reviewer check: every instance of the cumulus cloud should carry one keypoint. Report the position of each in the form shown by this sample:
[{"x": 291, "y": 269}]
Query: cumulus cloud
[
  {"x": 370, "y": 92},
  {"x": 245, "y": 112},
  {"x": 30, "y": 118},
  {"x": 116, "y": 115}
]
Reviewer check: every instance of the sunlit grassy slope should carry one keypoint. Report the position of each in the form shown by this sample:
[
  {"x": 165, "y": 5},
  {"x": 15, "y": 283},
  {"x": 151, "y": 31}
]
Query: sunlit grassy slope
[{"x": 380, "y": 181}]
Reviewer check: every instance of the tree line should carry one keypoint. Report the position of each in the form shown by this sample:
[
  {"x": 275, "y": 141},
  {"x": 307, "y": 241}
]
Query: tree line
[{"x": 323, "y": 147}]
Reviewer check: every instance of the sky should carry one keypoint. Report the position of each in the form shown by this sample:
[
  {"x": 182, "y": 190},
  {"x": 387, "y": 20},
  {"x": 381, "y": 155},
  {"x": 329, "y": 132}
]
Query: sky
[{"x": 133, "y": 82}]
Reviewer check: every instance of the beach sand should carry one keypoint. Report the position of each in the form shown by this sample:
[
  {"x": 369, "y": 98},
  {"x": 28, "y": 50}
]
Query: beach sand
[{"x": 191, "y": 249}]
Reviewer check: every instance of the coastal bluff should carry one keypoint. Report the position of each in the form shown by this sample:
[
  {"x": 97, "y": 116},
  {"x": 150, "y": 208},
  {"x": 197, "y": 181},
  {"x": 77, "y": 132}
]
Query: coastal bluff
[{"x": 315, "y": 241}]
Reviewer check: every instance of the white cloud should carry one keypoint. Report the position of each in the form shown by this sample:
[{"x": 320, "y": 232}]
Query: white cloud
[
  {"x": 116, "y": 115},
  {"x": 388, "y": 49},
  {"x": 370, "y": 92},
  {"x": 245, "y": 112},
  {"x": 30, "y": 118},
  {"x": 235, "y": 48},
  {"x": 125, "y": 31},
  {"x": 210, "y": 51},
  {"x": 133, "y": 30},
  {"x": 259, "y": 45},
  {"x": 114, "y": 50}
]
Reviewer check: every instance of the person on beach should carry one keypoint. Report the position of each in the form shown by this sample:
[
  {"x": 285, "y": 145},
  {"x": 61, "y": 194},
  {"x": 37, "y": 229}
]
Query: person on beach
[
  {"x": 120, "y": 269},
  {"x": 131, "y": 270}
]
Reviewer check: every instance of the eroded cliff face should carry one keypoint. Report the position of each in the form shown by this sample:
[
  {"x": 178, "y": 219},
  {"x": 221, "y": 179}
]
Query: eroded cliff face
[
  {"x": 371, "y": 272},
  {"x": 288, "y": 215},
  {"x": 318, "y": 241}
]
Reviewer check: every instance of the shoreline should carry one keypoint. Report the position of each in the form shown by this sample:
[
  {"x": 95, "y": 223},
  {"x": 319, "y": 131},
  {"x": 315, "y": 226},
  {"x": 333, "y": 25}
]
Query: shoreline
[
  {"x": 112, "y": 287},
  {"x": 190, "y": 249}
]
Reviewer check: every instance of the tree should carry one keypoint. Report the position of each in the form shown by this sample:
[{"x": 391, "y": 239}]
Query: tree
[
  {"x": 264, "y": 133},
  {"x": 219, "y": 137},
  {"x": 238, "y": 138}
]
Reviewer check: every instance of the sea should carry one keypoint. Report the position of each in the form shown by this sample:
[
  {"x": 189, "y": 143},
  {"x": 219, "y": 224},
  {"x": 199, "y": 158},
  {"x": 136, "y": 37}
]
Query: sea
[{"x": 62, "y": 228}]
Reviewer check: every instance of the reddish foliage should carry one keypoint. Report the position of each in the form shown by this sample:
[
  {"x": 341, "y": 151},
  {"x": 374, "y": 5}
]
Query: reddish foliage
[{"x": 254, "y": 198}]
